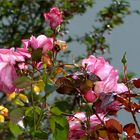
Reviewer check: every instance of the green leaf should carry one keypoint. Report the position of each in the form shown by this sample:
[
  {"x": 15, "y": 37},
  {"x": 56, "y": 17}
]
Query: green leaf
[
  {"x": 50, "y": 88},
  {"x": 29, "y": 110},
  {"x": 60, "y": 120},
  {"x": 61, "y": 133},
  {"x": 18, "y": 102},
  {"x": 14, "y": 128},
  {"x": 41, "y": 135},
  {"x": 56, "y": 110},
  {"x": 49, "y": 32},
  {"x": 22, "y": 82},
  {"x": 124, "y": 60},
  {"x": 17, "y": 114},
  {"x": 63, "y": 105},
  {"x": 38, "y": 110},
  {"x": 59, "y": 127}
]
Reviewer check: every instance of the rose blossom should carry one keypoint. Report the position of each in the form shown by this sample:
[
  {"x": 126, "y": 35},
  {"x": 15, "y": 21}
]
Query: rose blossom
[
  {"x": 40, "y": 42},
  {"x": 54, "y": 17},
  {"x": 77, "y": 124},
  {"x": 108, "y": 84},
  {"x": 8, "y": 58},
  {"x": 24, "y": 52},
  {"x": 7, "y": 76},
  {"x": 90, "y": 96}
]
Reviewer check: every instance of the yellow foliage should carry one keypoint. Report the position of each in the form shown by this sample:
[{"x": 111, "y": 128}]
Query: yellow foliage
[
  {"x": 3, "y": 111},
  {"x": 23, "y": 98},
  {"x": 11, "y": 96},
  {"x": 39, "y": 86},
  {"x": 2, "y": 118}
]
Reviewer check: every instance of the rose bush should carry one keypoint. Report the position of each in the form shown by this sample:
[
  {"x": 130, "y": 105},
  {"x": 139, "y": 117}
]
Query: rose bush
[{"x": 29, "y": 75}]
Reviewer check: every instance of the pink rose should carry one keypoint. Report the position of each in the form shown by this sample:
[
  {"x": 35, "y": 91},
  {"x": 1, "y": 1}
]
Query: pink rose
[
  {"x": 90, "y": 96},
  {"x": 105, "y": 88},
  {"x": 8, "y": 59},
  {"x": 77, "y": 124},
  {"x": 54, "y": 17},
  {"x": 107, "y": 74},
  {"x": 25, "y": 43},
  {"x": 98, "y": 66},
  {"x": 109, "y": 84},
  {"x": 23, "y": 52},
  {"x": 40, "y": 42},
  {"x": 7, "y": 76},
  {"x": 23, "y": 66},
  {"x": 10, "y": 56},
  {"x": 121, "y": 87}
]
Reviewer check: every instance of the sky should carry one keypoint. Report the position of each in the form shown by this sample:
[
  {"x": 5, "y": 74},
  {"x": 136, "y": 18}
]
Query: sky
[{"x": 124, "y": 38}]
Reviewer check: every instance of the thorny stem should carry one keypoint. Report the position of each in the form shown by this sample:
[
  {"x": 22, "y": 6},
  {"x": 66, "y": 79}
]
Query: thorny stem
[
  {"x": 99, "y": 119},
  {"x": 125, "y": 80},
  {"x": 135, "y": 120},
  {"x": 33, "y": 104},
  {"x": 94, "y": 111},
  {"x": 32, "y": 97},
  {"x": 88, "y": 127}
]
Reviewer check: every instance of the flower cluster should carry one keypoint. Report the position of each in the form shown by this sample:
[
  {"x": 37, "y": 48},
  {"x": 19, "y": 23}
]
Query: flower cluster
[
  {"x": 106, "y": 87},
  {"x": 35, "y": 48},
  {"x": 27, "y": 74}
]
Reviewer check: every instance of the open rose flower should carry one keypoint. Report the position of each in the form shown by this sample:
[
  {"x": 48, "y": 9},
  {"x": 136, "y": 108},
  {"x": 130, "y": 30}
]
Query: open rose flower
[
  {"x": 54, "y": 17},
  {"x": 108, "y": 83},
  {"x": 77, "y": 125},
  {"x": 10, "y": 56},
  {"x": 39, "y": 42},
  {"x": 7, "y": 76},
  {"x": 8, "y": 59}
]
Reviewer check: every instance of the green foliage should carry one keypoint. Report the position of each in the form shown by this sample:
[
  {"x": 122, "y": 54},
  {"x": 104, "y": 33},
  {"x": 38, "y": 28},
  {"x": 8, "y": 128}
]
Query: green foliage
[
  {"x": 59, "y": 127},
  {"x": 14, "y": 128},
  {"x": 17, "y": 114},
  {"x": 23, "y": 82},
  {"x": 41, "y": 135}
]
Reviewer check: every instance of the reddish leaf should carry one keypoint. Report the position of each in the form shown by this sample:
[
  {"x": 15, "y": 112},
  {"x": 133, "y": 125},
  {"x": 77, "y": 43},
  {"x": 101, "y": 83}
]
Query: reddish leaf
[
  {"x": 127, "y": 94},
  {"x": 129, "y": 129},
  {"x": 113, "y": 136},
  {"x": 46, "y": 60},
  {"x": 136, "y": 83},
  {"x": 114, "y": 126},
  {"x": 58, "y": 70},
  {"x": 65, "y": 85},
  {"x": 130, "y": 138},
  {"x": 136, "y": 107},
  {"x": 129, "y": 106},
  {"x": 137, "y": 135},
  {"x": 125, "y": 102}
]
